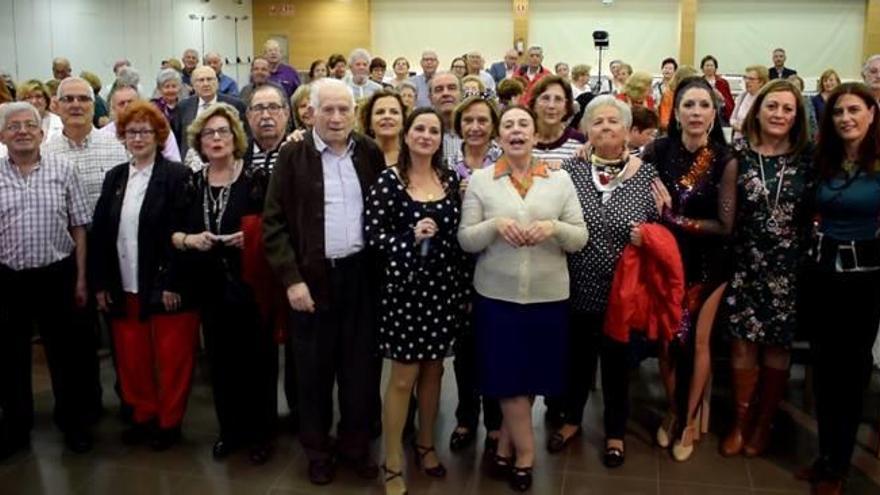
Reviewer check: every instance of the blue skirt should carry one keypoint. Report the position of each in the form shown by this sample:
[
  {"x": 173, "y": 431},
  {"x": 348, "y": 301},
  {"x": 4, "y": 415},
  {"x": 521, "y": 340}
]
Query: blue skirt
[{"x": 521, "y": 348}]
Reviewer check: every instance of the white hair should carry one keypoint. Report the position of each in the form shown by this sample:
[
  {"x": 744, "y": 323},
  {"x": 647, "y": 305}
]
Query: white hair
[
  {"x": 873, "y": 58},
  {"x": 359, "y": 54},
  {"x": 607, "y": 101},
  {"x": 72, "y": 79},
  {"x": 7, "y": 109},
  {"x": 166, "y": 75},
  {"x": 327, "y": 83}
]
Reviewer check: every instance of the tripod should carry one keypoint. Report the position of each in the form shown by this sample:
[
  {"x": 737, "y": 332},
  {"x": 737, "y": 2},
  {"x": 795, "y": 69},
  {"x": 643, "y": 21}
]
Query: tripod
[{"x": 598, "y": 89}]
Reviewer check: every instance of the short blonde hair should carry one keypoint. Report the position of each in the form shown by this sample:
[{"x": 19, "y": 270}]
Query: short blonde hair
[
  {"x": 761, "y": 71},
  {"x": 473, "y": 78},
  {"x": 580, "y": 70},
  {"x": 825, "y": 75},
  {"x": 227, "y": 111},
  {"x": 638, "y": 86},
  {"x": 301, "y": 94}
]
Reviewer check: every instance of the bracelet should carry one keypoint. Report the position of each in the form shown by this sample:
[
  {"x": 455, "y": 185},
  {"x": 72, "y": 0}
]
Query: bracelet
[{"x": 183, "y": 243}]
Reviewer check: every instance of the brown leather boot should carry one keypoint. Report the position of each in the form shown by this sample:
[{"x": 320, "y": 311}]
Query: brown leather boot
[
  {"x": 773, "y": 384},
  {"x": 744, "y": 381}
]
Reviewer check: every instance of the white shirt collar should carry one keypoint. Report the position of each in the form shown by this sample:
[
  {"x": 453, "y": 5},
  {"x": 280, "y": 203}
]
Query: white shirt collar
[
  {"x": 321, "y": 146},
  {"x": 133, "y": 171}
]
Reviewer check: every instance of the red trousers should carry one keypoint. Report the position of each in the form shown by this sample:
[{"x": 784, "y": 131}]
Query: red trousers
[{"x": 155, "y": 360}]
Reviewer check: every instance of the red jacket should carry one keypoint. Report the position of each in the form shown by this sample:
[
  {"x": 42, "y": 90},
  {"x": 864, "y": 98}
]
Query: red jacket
[
  {"x": 648, "y": 288},
  {"x": 527, "y": 94}
]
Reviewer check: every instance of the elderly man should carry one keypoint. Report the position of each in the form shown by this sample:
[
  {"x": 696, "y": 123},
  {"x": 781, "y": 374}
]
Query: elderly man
[
  {"x": 361, "y": 85},
  {"x": 204, "y": 80},
  {"x": 268, "y": 116},
  {"x": 260, "y": 76},
  {"x": 227, "y": 85},
  {"x": 445, "y": 92},
  {"x": 61, "y": 68},
  {"x": 190, "y": 62},
  {"x": 421, "y": 81},
  {"x": 313, "y": 232},
  {"x": 474, "y": 61},
  {"x": 533, "y": 71},
  {"x": 91, "y": 151},
  {"x": 42, "y": 282},
  {"x": 506, "y": 68},
  {"x": 120, "y": 98},
  {"x": 779, "y": 70},
  {"x": 280, "y": 73},
  {"x": 871, "y": 75}
]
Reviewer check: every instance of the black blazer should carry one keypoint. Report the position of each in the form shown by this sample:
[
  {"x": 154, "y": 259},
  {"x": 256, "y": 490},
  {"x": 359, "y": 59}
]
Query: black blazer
[
  {"x": 158, "y": 262},
  {"x": 185, "y": 114}
]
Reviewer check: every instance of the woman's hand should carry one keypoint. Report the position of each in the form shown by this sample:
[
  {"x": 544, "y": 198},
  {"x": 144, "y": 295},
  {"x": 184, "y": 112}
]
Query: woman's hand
[
  {"x": 296, "y": 136},
  {"x": 661, "y": 196},
  {"x": 235, "y": 240},
  {"x": 635, "y": 235},
  {"x": 425, "y": 229},
  {"x": 511, "y": 231},
  {"x": 104, "y": 300},
  {"x": 200, "y": 242},
  {"x": 171, "y": 300},
  {"x": 539, "y": 232}
]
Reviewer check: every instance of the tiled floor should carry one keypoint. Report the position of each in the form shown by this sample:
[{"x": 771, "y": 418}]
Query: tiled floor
[{"x": 189, "y": 469}]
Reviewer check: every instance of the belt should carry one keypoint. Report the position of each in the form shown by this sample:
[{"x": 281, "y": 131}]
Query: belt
[
  {"x": 334, "y": 263},
  {"x": 846, "y": 256}
]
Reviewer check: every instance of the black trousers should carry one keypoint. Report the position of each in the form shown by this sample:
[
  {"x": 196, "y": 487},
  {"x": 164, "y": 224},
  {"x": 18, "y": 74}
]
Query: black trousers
[
  {"x": 616, "y": 367},
  {"x": 583, "y": 351},
  {"x": 241, "y": 352},
  {"x": 44, "y": 297},
  {"x": 337, "y": 345},
  {"x": 842, "y": 312},
  {"x": 469, "y": 399}
]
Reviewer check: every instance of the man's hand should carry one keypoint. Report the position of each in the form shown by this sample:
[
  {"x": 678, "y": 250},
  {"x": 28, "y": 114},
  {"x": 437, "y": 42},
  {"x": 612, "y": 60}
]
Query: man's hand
[{"x": 300, "y": 298}]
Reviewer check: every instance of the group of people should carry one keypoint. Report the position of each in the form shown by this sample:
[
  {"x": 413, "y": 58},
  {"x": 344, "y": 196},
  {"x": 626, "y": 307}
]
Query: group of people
[{"x": 532, "y": 238}]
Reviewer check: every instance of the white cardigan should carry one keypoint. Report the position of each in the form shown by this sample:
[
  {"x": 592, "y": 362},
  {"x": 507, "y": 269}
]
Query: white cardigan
[{"x": 529, "y": 274}]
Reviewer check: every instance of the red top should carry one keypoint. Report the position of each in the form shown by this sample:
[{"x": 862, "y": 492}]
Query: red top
[
  {"x": 723, "y": 87},
  {"x": 648, "y": 288},
  {"x": 524, "y": 72}
]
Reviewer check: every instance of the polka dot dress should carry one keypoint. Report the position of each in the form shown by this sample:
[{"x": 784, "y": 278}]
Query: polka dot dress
[{"x": 422, "y": 292}]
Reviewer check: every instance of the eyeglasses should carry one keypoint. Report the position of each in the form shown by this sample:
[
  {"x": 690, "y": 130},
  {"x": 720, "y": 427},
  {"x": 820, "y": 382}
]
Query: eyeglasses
[
  {"x": 75, "y": 98},
  {"x": 17, "y": 126},
  {"x": 139, "y": 133},
  {"x": 272, "y": 108},
  {"x": 221, "y": 132}
]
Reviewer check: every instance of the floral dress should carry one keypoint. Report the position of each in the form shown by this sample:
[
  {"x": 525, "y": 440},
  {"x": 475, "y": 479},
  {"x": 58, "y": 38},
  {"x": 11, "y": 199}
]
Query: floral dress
[
  {"x": 761, "y": 295},
  {"x": 423, "y": 289}
]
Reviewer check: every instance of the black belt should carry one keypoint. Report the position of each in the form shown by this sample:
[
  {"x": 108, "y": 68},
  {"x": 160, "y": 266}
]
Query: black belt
[
  {"x": 846, "y": 256},
  {"x": 334, "y": 263}
]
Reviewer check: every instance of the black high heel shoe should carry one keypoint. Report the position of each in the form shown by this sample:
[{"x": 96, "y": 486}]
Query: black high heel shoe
[
  {"x": 520, "y": 478},
  {"x": 438, "y": 471},
  {"x": 460, "y": 440},
  {"x": 499, "y": 467}
]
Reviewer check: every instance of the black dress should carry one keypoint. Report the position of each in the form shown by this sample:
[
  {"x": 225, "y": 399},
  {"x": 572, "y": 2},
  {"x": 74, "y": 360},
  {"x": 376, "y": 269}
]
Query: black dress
[
  {"x": 239, "y": 343},
  {"x": 422, "y": 294}
]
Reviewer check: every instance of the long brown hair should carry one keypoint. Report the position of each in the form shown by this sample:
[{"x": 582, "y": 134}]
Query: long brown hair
[
  {"x": 404, "y": 162},
  {"x": 830, "y": 152}
]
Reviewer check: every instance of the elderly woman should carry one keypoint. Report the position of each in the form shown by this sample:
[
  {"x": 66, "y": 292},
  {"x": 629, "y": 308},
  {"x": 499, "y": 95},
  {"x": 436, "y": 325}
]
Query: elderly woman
[
  {"x": 826, "y": 84},
  {"x": 458, "y": 67},
  {"x": 697, "y": 192},
  {"x": 137, "y": 276},
  {"x": 614, "y": 190},
  {"x": 637, "y": 91},
  {"x": 317, "y": 70},
  {"x": 400, "y": 66},
  {"x": 303, "y": 116},
  {"x": 223, "y": 202},
  {"x": 408, "y": 93},
  {"x": 411, "y": 217},
  {"x": 667, "y": 70},
  {"x": 620, "y": 72},
  {"x": 336, "y": 66},
  {"x": 522, "y": 218},
  {"x": 843, "y": 282},
  {"x": 775, "y": 168},
  {"x": 168, "y": 86},
  {"x": 36, "y": 93},
  {"x": 381, "y": 118},
  {"x": 472, "y": 86},
  {"x": 756, "y": 77},
  {"x": 580, "y": 80},
  {"x": 476, "y": 121},
  {"x": 554, "y": 106},
  {"x": 709, "y": 66}
]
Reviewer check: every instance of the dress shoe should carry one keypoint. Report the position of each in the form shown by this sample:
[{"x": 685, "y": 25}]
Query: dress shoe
[
  {"x": 165, "y": 438},
  {"x": 393, "y": 487},
  {"x": 499, "y": 467},
  {"x": 557, "y": 442},
  {"x": 520, "y": 478},
  {"x": 137, "y": 433},
  {"x": 613, "y": 457},
  {"x": 78, "y": 441},
  {"x": 664, "y": 431},
  {"x": 422, "y": 451},
  {"x": 222, "y": 448},
  {"x": 684, "y": 446},
  {"x": 490, "y": 447},
  {"x": 462, "y": 437},
  {"x": 322, "y": 471}
]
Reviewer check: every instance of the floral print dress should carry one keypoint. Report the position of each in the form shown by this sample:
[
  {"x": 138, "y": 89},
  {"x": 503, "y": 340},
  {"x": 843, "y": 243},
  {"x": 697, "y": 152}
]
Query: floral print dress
[{"x": 768, "y": 246}]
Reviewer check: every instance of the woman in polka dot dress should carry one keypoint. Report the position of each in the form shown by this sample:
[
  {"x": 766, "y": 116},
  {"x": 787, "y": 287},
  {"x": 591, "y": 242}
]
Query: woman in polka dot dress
[{"x": 412, "y": 215}]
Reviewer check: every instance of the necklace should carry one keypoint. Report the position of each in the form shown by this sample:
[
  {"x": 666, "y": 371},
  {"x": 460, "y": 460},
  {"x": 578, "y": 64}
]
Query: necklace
[{"x": 773, "y": 221}]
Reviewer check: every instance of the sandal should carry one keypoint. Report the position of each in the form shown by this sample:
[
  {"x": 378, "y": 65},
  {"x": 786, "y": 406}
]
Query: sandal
[
  {"x": 390, "y": 476},
  {"x": 461, "y": 438},
  {"x": 520, "y": 478},
  {"x": 500, "y": 467},
  {"x": 438, "y": 471}
]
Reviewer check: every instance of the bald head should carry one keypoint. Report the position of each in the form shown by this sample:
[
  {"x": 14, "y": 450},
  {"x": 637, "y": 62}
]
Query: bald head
[
  {"x": 511, "y": 57},
  {"x": 272, "y": 52},
  {"x": 204, "y": 82},
  {"x": 61, "y": 68}
]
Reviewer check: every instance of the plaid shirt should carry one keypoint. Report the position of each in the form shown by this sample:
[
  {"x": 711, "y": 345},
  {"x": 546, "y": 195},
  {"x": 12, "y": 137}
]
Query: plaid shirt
[
  {"x": 99, "y": 153},
  {"x": 36, "y": 212}
]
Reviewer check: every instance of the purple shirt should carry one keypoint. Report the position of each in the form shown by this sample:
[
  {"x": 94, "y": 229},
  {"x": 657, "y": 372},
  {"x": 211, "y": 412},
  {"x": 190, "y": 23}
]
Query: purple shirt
[{"x": 286, "y": 77}]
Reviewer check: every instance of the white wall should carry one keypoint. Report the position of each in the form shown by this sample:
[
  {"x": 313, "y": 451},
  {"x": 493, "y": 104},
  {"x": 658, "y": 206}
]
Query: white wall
[
  {"x": 93, "y": 34},
  {"x": 816, "y": 34},
  {"x": 451, "y": 27},
  {"x": 642, "y": 32}
]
